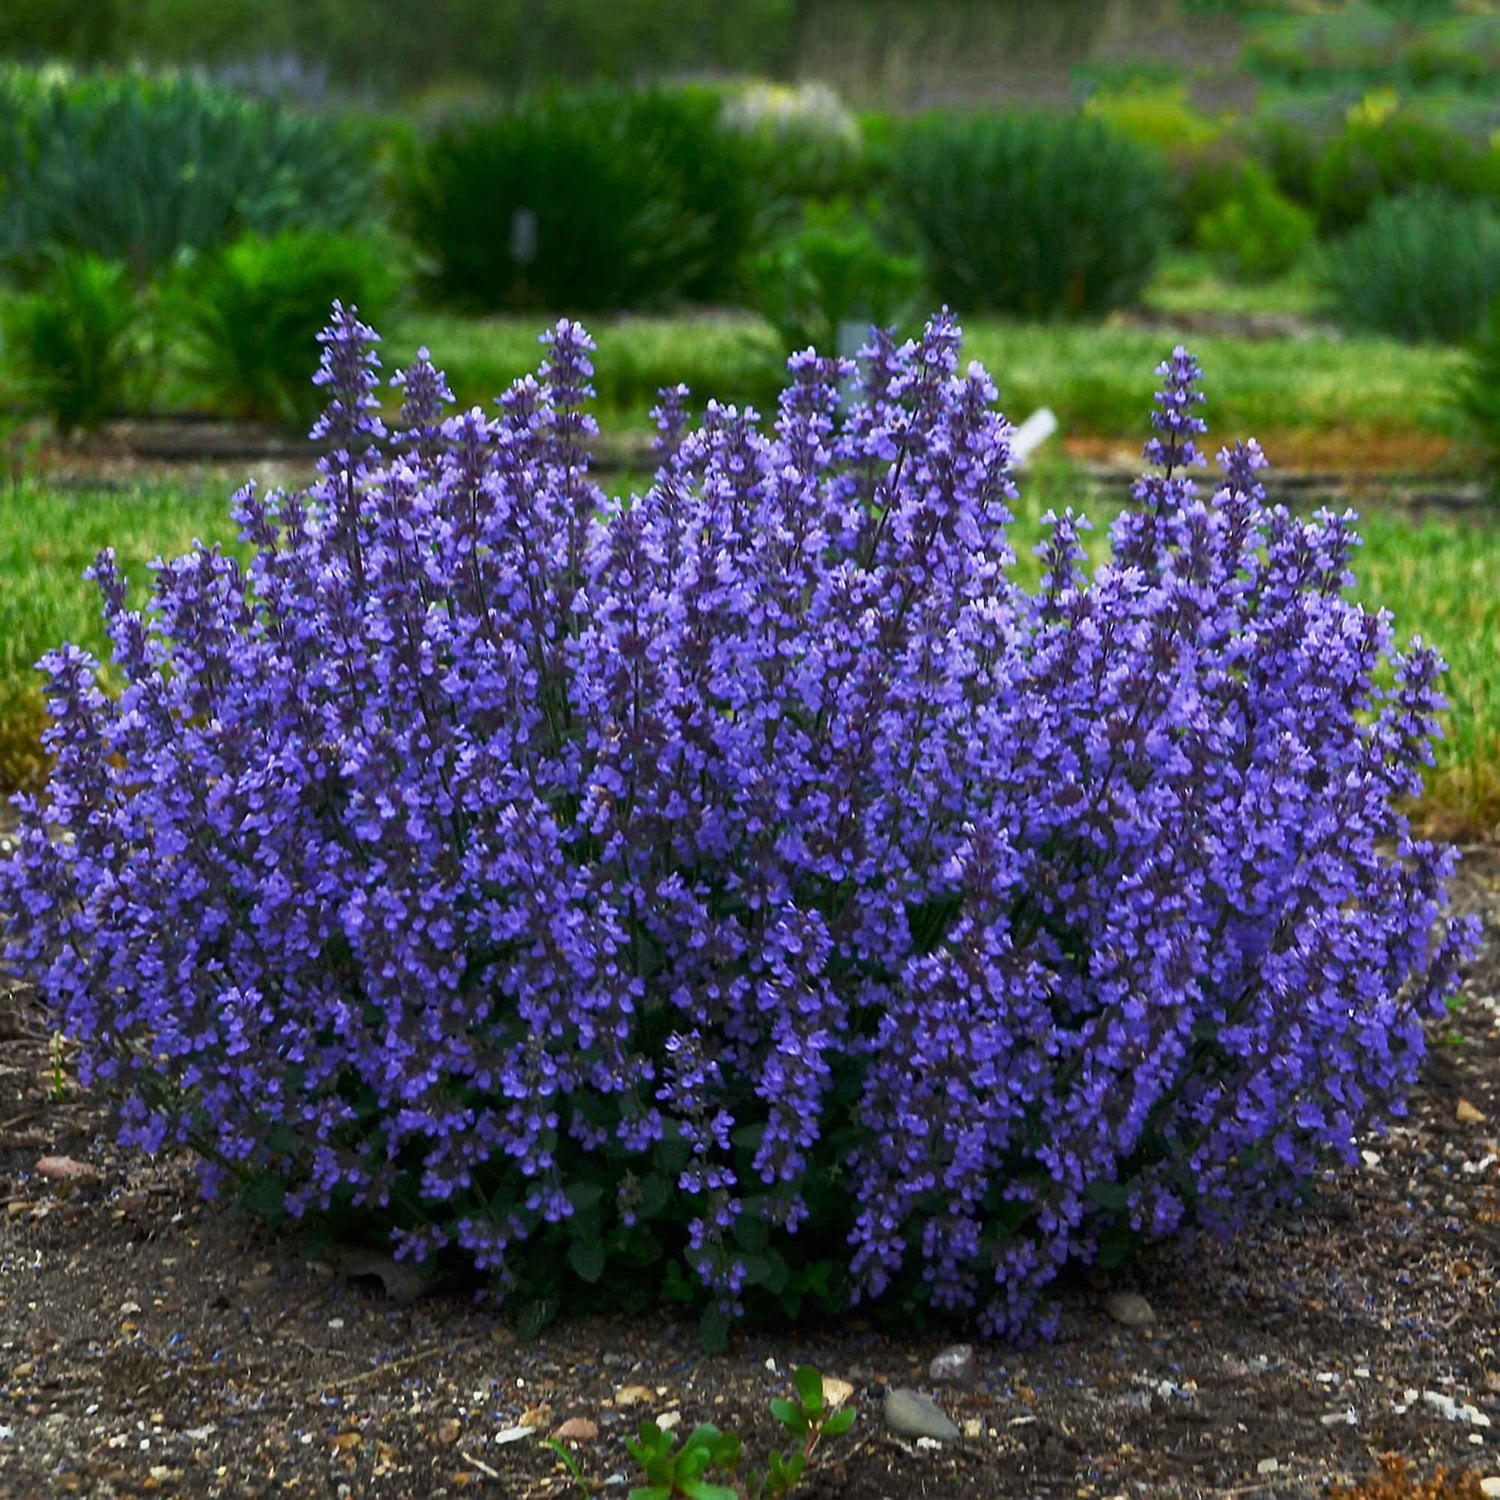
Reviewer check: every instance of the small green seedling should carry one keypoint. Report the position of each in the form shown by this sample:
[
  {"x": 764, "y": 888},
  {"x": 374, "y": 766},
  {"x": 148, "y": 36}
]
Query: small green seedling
[
  {"x": 684, "y": 1474},
  {"x": 571, "y": 1463},
  {"x": 681, "y": 1474}
]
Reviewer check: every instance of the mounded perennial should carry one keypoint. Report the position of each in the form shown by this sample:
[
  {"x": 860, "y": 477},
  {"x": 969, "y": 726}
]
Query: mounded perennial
[{"x": 747, "y": 891}]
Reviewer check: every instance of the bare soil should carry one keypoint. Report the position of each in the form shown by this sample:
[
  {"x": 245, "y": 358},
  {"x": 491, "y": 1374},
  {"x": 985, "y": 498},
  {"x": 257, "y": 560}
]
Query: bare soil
[{"x": 152, "y": 1344}]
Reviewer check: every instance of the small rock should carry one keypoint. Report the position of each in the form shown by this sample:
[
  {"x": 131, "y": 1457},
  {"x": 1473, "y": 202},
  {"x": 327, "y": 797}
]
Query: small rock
[
  {"x": 1370, "y": 1158},
  {"x": 1469, "y": 1114},
  {"x": 632, "y": 1395},
  {"x": 1454, "y": 1411},
  {"x": 669, "y": 1421},
  {"x": 402, "y": 1283},
  {"x": 448, "y": 1431},
  {"x": 578, "y": 1430},
  {"x": 955, "y": 1365},
  {"x": 835, "y": 1392},
  {"x": 17, "y": 1208},
  {"x": 911, "y": 1415},
  {"x": 66, "y": 1170},
  {"x": 1267, "y": 1466},
  {"x": 1129, "y": 1309},
  {"x": 513, "y": 1434},
  {"x": 974, "y": 1427},
  {"x": 1490, "y": 1486}
]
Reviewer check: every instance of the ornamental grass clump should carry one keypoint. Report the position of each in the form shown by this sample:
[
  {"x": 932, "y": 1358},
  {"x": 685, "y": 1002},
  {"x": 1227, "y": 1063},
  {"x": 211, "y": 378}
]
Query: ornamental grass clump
[{"x": 747, "y": 892}]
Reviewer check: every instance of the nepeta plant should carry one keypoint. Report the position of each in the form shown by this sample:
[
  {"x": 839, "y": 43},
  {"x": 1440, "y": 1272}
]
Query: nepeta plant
[{"x": 751, "y": 873}]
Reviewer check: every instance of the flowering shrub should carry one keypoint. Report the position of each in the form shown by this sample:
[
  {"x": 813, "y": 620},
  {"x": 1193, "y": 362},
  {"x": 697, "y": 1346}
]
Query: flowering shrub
[{"x": 749, "y": 887}]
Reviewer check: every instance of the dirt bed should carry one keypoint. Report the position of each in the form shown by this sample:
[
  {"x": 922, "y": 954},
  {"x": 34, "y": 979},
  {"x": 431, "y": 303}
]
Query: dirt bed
[{"x": 150, "y": 1344}]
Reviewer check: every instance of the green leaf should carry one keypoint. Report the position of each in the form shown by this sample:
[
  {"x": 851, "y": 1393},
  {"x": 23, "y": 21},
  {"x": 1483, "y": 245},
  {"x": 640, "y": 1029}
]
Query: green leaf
[
  {"x": 1114, "y": 1196},
  {"x": 675, "y": 1286},
  {"x": 651, "y": 1492},
  {"x": 587, "y": 1260},
  {"x": 265, "y": 1195},
  {"x": 840, "y": 1422},
  {"x": 701, "y": 1489},
  {"x": 534, "y": 1315},
  {"x": 713, "y": 1329},
  {"x": 810, "y": 1388},
  {"x": 748, "y": 1137},
  {"x": 584, "y": 1196},
  {"x": 750, "y": 1234},
  {"x": 1117, "y": 1244},
  {"x": 655, "y": 1194},
  {"x": 788, "y": 1413}
]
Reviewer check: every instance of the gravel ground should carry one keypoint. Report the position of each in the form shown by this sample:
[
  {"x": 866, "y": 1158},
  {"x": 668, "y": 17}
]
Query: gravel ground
[{"x": 151, "y": 1344}]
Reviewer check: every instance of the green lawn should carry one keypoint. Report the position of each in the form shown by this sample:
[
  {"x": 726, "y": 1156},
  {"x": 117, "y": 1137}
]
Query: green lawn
[
  {"x": 1098, "y": 380},
  {"x": 1439, "y": 579}
]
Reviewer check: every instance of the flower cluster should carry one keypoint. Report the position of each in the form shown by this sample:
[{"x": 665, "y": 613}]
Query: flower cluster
[{"x": 751, "y": 871}]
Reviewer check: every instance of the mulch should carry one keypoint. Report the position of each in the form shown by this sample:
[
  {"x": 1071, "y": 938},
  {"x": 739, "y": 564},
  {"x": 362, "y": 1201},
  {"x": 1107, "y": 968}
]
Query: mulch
[{"x": 152, "y": 1344}]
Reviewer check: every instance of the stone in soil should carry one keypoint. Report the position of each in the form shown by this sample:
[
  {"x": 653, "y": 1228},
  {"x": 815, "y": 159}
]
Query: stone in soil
[
  {"x": 910, "y": 1414},
  {"x": 1130, "y": 1309},
  {"x": 955, "y": 1365}
]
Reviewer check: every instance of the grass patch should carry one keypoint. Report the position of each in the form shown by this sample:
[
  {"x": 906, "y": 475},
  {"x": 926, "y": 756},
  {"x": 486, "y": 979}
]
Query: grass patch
[
  {"x": 1436, "y": 576},
  {"x": 47, "y": 538},
  {"x": 1190, "y": 282},
  {"x": 1097, "y": 379}
]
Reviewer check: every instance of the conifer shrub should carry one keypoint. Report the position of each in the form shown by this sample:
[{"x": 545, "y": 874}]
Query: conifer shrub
[{"x": 747, "y": 892}]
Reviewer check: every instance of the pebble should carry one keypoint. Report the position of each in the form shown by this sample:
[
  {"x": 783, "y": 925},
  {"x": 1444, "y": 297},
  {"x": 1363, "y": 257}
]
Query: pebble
[
  {"x": 1446, "y": 1406},
  {"x": 1130, "y": 1309},
  {"x": 67, "y": 1170},
  {"x": 911, "y": 1415},
  {"x": 1267, "y": 1466},
  {"x": 1469, "y": 1114},
  {"x": 512, "y": 1434},
  {"x": 402, "y": 1283},
  {"x": 955, "y": 1365},
  {"x": 578, "y": 1430},
  {"x": 632, "y": 1395},
  {"x": 1490, "y": 1486}
]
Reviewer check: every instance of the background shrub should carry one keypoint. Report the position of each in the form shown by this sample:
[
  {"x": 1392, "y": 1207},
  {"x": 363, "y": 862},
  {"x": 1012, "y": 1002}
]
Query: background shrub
[
  {"x": 747, "y": 893},
  {"x": 1389, "y": 157},
  {"x": 1045, "y": 216},
  {"x": 804, "y": 145},
  {"x": 136, "y": 169},
  {"x": 249, "y": 316},
  {"x": 1477, "y": 389},
  {"x": 1424, "y": 267},
  {"x": 1255, "y": 231},
  {"x": 637, "y": 198},
  {"x": 76, "y": 345},
  {"x": 831, "y": 272}
]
